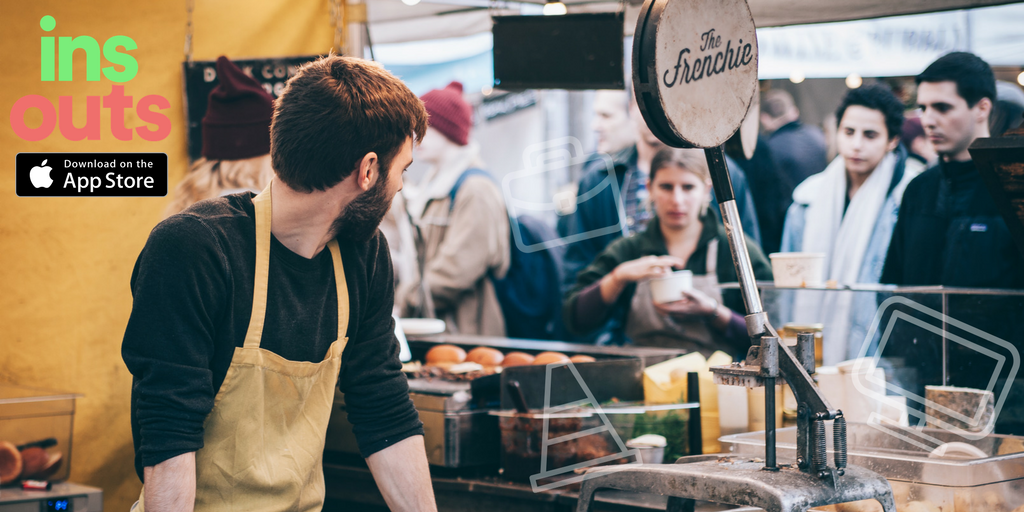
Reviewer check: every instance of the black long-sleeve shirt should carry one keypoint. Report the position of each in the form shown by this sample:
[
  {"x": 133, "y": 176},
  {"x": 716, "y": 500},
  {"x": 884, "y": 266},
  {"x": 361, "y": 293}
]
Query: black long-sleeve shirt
[
  {"x": 950, "y": 233},
  {"x": 192, "y": 288}
]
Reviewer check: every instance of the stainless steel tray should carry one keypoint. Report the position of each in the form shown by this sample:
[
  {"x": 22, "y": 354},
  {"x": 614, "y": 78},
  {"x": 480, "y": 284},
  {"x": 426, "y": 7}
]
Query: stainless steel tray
[{"x": 897, "y": 458}]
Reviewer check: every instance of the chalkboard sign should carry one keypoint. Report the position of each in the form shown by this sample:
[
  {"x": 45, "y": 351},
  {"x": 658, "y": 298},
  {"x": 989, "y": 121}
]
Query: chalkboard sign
[
  {"x": 574, "y": 51},
  {"x": 201, "y": 78}
]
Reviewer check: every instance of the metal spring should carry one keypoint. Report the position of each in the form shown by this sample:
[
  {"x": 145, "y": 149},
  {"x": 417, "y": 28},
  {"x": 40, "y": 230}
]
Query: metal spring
[
  {"x": 839, "y": 441},
  {"x": 820, "y": 459}
]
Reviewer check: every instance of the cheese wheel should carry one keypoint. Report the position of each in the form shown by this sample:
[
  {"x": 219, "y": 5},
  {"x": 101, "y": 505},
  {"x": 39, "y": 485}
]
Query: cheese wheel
[
  {"x": 550, "y": 357},
  {"x": 485, "y": 356},
  {"x": 446, "y": 354},
  {"x": 517, "y": 359}
]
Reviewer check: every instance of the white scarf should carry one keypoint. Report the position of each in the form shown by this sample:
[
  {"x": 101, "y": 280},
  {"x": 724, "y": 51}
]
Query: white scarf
[{"x": 843, "y": 239}]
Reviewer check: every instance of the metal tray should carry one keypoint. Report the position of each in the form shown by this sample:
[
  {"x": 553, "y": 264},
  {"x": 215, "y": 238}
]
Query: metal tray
[{"x": 898, "y": 458}]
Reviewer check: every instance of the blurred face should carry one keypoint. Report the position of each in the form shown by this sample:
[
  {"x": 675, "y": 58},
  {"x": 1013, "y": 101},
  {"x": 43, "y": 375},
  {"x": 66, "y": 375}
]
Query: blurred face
[
  {"x": 611, "y": 122},
  {"x": 862, "y": 139},
  {"x": 678, "y": 196},
  {"x": 949, "y": 123},
  {"x": 922, "y": 146},
  {"x": 641, "y": 132},
  {"x": 360, "y": 219},
  {"x": 433, "y": 146}
]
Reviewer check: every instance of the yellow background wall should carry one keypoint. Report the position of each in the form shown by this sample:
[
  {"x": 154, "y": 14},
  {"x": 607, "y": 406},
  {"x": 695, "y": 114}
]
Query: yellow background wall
[{"x": 65, "y": 263}]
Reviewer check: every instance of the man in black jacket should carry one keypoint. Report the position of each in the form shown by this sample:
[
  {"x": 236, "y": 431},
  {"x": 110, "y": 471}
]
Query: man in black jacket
[{"x": 950, "y": 233}]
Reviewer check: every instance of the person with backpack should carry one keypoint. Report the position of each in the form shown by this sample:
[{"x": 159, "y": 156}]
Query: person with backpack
[
  {"x": 683, "y": 234},
  {"x": 463, "y": 236}
]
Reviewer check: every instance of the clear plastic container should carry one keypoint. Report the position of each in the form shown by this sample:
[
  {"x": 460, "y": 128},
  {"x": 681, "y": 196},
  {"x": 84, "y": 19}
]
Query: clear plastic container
[
  {"x": 522, "y": 436},
  {"x": 39, "y": 423},
  {"x": 971, "y": 476}
]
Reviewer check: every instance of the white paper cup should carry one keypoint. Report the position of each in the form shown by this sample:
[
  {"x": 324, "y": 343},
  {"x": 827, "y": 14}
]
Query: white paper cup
[
  {"x": 671, "y": 287},
  {"x": 797, "y": 269}
]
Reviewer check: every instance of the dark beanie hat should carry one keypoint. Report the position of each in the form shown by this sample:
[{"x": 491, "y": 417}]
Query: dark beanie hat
[
  {"x": 238, "y": 114},
  {"x": 449, "y": 113}
]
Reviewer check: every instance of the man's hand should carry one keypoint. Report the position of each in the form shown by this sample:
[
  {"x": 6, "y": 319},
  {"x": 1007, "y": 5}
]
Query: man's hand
[
  {"x": 403, "y": 477},
  {"x": 171, "y": 484}
]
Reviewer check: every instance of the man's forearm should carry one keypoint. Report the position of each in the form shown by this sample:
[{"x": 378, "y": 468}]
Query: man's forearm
[
  {"x": 171, "y": 484},
  {"x": 403, "y": 477}
]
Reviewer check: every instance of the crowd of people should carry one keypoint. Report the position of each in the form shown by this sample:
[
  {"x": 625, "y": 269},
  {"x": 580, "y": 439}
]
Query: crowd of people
[
  {"x": 663, "y": 216},
  {"x": 452, "y": 248},
  {"x": 450, "y": 241}
]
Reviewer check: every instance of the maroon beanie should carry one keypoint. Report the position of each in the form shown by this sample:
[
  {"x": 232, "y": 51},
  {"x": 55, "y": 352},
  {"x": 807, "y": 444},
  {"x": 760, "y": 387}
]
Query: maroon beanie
[
  {"x": 238, "y": 113},
  {"x": 449, "y": 113},
  {"x": 912, "y": 129}
]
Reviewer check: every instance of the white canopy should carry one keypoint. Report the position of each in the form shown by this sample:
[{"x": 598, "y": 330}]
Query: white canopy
[
  {"x": 391, "y": 21},
  {"x": 891, "y": 46}
]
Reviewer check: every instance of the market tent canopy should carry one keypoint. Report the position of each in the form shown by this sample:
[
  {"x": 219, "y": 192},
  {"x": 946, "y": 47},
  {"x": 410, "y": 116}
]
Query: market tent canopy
[
  {"x": 391, "y": 21},
  {"x": 891, "y": 46}
]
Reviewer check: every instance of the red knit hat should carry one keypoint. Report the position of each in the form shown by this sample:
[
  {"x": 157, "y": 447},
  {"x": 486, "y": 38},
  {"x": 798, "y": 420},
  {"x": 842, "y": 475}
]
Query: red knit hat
[
  {"x": 449, "y": 113},
  {"x": 238, "y": 113}
]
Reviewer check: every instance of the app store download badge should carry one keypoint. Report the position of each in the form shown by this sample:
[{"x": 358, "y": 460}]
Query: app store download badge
[{"x": 91, "y": 174}]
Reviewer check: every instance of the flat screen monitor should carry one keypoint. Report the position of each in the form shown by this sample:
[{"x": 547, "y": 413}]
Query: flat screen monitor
[{"x": 573, "y": 51}]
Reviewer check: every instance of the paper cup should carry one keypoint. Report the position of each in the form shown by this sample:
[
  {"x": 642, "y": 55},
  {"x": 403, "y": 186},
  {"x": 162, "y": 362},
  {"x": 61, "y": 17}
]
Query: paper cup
[
  {"x": 671, "y": 287},
  {"x": 798, "y": 269}
]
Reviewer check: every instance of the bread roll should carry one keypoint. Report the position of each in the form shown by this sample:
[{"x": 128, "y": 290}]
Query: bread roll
[
  {"x": 10, "y": 462},
  {"x": 33, "y": 460},
  {"x": 485, "y": 356},
  {"x": 517, "y": 359},
  {"x": 550, "y": 357},
  {"x": 445, "y": 354},
  {"x": 580, "y": 358}
]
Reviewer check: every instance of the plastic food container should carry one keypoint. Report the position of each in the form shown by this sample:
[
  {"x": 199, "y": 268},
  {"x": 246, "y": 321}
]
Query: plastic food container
[
  {"x": 671, "y": 287},
  {"x": 38, "y": 423},
  {"x": 947, "y": 475},
  {"x": 522, "y": 437},
  {"x": 798, "y": 269},
  {"x": 522, "y": 441}
]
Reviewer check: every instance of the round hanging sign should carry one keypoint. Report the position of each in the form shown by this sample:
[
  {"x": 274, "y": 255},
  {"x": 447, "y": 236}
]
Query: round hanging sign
[{"x": 694, "y": 69}]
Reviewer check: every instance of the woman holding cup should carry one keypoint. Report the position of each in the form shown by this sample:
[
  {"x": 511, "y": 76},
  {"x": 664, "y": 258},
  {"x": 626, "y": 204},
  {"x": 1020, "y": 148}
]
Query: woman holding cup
[{"x": 633, "y": 279}]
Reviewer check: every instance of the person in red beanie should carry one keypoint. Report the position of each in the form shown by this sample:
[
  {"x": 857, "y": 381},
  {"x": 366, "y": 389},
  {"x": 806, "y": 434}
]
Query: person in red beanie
[
  {"x": 236, "y": 141},
  {"x": 461, "y": 216}
]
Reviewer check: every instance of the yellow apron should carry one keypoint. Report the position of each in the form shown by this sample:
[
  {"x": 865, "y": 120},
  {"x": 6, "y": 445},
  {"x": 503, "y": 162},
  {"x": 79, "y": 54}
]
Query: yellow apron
[{"x": 264, "y": 439}]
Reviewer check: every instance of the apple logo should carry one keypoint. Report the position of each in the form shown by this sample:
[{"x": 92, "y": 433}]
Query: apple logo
[{"x": 40, "y": 176}]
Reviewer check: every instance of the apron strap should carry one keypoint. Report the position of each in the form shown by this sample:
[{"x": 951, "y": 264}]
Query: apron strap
[
  {"x": 711, "y": 267},
  {"x": 339, "y": 281},
  {"x": 259, "y": 296},
  {"x": 259, "y": 290}
]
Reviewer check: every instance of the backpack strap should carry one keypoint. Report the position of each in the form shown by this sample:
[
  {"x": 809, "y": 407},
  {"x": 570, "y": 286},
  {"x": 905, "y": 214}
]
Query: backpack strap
[{"x": 472, "y": 171}]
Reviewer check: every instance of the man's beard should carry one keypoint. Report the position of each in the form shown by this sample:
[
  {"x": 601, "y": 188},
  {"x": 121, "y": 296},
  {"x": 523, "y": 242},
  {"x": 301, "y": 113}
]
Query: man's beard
[{"x": 360, "y": 219}]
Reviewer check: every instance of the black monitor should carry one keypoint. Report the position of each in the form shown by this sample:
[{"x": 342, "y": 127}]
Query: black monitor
[{"x": 572, "y": 51}]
